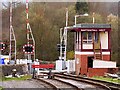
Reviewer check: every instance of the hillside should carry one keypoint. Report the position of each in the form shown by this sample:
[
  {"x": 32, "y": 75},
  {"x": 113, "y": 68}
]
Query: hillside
[
  {"x": 47, "y": 18},
  {"x": 104, "y": 8}
]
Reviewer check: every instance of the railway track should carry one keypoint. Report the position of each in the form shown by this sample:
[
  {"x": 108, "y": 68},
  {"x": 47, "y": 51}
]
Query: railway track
[
  {"x": 61, "y": 82},
  {"x": 107, "y": 85},
  {"x": 83, "y": 84},
  {"x": 49, "y": 85},
  {"x": 113, "y": 86},
  {"x": 57, "y": 84}
]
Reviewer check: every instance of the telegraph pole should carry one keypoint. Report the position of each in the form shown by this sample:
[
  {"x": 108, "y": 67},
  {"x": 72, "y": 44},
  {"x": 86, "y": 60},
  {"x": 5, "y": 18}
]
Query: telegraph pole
[
  {"x": 63, "y": 39},
  {"x": 62, "y": 47},
  {"x": 93, "y": 18}
]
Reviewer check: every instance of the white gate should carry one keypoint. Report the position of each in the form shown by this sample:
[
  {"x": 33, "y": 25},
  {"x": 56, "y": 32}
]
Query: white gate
[{"x": 70, "y": 66}]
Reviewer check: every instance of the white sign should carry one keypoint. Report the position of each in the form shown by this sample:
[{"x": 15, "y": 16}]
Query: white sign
[{"x": 103, "y": 64}]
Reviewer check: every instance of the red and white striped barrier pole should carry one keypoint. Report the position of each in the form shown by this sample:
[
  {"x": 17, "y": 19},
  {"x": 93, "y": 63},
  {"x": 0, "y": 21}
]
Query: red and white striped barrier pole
[
  {"x": 27, "y": 21},
  {"x": 30, "y": 38}
]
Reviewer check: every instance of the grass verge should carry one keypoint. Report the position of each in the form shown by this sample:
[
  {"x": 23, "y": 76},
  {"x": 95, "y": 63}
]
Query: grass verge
[
  {"x": 1, "y": 88},
  {"x": 16, "y": 78},
  {"x": 113, "y": 80}
]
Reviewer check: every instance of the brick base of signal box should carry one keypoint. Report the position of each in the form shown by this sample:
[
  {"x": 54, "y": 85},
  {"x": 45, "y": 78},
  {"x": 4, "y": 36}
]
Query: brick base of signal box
[{"x": 82, "y": 66}]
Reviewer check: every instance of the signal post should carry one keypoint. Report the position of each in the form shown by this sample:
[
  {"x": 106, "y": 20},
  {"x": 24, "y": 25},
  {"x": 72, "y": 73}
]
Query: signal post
[{"x": 29, "y": 48}]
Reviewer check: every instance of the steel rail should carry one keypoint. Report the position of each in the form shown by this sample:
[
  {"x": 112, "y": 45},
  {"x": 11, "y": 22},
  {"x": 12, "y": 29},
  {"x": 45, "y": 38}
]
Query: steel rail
[
  {"x": 69, "y": 84},
  {"x": 83, "y": 80},
  {"x": 52, "y": 85},
  {"x": 113, "y": 86}
]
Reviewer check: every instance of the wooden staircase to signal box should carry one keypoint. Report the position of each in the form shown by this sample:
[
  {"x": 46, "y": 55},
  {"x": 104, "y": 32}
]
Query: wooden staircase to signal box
[{"x": 97, "y": 50}]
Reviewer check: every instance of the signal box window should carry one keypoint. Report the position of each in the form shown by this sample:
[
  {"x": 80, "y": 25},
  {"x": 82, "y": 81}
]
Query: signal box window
[
  {"x": 87, "y": 37},
  {"x": 96, "y": 37}
]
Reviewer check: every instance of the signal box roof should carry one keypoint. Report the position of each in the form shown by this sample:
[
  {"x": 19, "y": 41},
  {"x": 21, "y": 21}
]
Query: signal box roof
[{"x": 90, "y": 27}]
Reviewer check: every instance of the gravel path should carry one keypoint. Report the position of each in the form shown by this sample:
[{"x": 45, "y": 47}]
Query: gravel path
[{"x": 24, "y": 84}]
